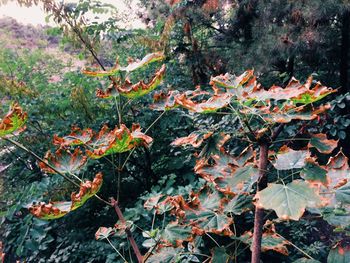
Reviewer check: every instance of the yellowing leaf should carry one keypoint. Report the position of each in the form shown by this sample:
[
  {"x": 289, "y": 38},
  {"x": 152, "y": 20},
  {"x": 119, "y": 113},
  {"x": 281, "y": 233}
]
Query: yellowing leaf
[
  {"x": 289, "y": 201},
  {"x": 13, "y": 121},
  {"x": 322, "y": 144},
  {"x": 54, "y": 210},
  {"x": 195, "y": 139},
  {"x": 339, "y": 254},
  {"x": 153, "y": 57},
  {"x": 76, "y": 137},
  {"x": 149, "y": 58},
  {"x": 118, "y": 140}
]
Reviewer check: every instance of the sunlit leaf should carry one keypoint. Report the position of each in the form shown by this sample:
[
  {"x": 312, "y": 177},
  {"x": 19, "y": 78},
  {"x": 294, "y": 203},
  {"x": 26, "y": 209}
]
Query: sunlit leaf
[
  {"x": 76, "y": 137},
  {"x": 118, "y": 140},
  {"x": 133, "y": 91},
  {"x": 13, "y": 121},
  {"x": 153, "y": 57},
  {"x": 164, "y": 101},
  {"x": 104, "y": 232},
  {"x": 306, "y": 260},
  {"x": 214, "y": 103},
  {"x": 289, "y": 159},
  {"x": 289, "y": 201},
  {"x": 195, "y": 139},
  {"x": 152, "y": 202},
  {"x": 64, "y": 161},
  {"x": 322, "y": 144},
  {"x": 229, "y": 81},
  {"x": 54, "y": 210},
  {"x": 149, "y": 58}
]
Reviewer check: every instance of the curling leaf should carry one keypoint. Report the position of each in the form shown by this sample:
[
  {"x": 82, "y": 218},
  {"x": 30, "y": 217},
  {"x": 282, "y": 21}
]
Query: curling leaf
[
  {"x": 118, "y": 140},
  {"x": 322, "y": 144},
  {"x": 13, "y": 121},
  {"x": 54, "y": 210}
]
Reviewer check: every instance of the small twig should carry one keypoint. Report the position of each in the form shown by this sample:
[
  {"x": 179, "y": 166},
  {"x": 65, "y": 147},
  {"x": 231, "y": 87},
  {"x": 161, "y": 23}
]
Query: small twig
[{"x": 115, "y": 249}]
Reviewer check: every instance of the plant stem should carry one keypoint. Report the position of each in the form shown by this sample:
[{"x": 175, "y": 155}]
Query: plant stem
[
  {"x": 259, "y": 212},
  {"x": 115, "y": 249},
  {"x": 21, "y": 146},
  {"x": 127, "y": 231}
]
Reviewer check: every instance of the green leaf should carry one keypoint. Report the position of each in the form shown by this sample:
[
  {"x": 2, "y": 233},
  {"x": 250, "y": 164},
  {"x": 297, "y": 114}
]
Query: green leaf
[
  {"x": 176, "y": 234},
  {"x": 289, "y": 159},
  {"x": 239, "y": 204},
  {"x": 342, "y": 194},
  {"x": 338, "y": 217},
  {"x": 313, "y": 172},
  {"x": 306, "y": 260},
  {"x": 118, "y": 140},
  {"x": 64, "y": 161},
  {"x": 339, "y": 254},
  {"x": 165, "y": 255},
  {"x": 219, "y": 255},
  {"x": 237, "y": 180},
  {"x": 322, "y": 144},
  {"x": 289, "y": 201}
]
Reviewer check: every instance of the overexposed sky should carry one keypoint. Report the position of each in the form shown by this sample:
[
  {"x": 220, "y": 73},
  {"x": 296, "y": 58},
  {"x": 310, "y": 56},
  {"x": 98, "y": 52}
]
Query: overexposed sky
[{"x": 35, "y": 15}]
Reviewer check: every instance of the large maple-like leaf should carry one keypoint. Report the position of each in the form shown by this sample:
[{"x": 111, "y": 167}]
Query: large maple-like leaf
[
  {"x": 204, "y": 212},
  {"x": 287, "y": 159},
  {"x": 212, "y": 104},
  {"x": 163, "y": 101},
  {"x": 270, "y": 240},
  {"x": 229, "y": 175},
  {"x": 195, "y": 139},
  {"x": 76, "y": 137},
  {"x": 130, "y": 90},
  {"x": 176, "y": 234},
  {"x": 13, "y": 121},
  {"x": 63, "y": 161},
  {"x": 118, "y": 140},
  {"x": 338, "y": 170},
  {"x": 339, "y": 254},
  {"x": 54, "y": 210},
  {"x": 153, "y": 57},
  {"x": 165, "y": 255},
  {"x": 289, "y": 201},
  {"x": 314, "y": 172},
  {"x": 322, "y": 144}
]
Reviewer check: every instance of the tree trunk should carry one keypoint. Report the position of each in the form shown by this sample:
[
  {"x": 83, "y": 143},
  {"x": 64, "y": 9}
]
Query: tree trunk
[
  {"x": 259, "y": 212},
  {"x": 344, "y": 52}
]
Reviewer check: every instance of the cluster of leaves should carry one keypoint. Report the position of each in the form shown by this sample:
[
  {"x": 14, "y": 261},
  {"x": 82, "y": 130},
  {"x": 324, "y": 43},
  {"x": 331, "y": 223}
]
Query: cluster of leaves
[{"x": 210, "y": 216}]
